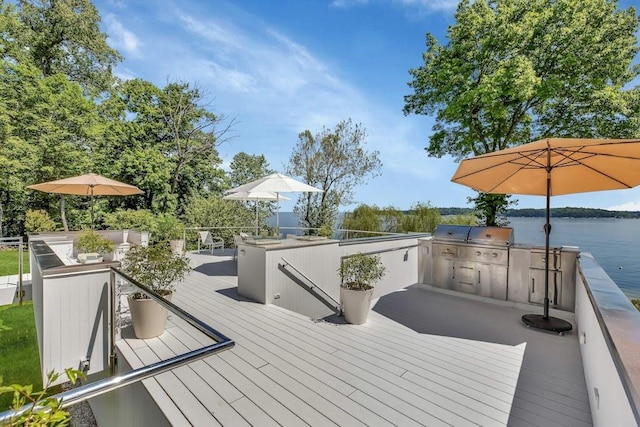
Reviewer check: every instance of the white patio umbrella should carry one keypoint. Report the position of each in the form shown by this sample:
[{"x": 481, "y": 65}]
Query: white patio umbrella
[
  {"x": 275, "y": 183},
  {"x": 255, "y": 197}
]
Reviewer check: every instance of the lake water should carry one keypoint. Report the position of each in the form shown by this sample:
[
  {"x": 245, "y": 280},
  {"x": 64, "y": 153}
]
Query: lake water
[{"x": 615, "y": 243}]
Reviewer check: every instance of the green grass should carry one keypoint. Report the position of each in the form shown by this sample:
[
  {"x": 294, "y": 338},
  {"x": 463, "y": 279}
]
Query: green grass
[
  {"x": 19, "y": 360},
  {"x": 9, "y": 262}
]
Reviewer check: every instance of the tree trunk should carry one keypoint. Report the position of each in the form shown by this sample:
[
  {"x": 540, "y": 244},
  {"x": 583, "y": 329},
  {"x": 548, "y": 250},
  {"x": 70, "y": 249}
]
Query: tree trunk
[{"x": 63, "y": 213}]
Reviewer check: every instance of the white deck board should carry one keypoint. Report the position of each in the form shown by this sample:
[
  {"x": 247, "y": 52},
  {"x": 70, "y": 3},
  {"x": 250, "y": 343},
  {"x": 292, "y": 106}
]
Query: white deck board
[{"x": 423, "y": 358}]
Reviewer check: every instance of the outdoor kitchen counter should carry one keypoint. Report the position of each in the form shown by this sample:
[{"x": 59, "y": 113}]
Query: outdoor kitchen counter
[{"x": 288, "y": 243}]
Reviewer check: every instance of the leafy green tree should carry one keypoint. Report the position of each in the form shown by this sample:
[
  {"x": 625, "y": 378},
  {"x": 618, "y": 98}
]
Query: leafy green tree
[
  {"x": 421, "y": 218},
  {"x": 334, "y": 161},
  {"x": 212, "y": 211},
  {"x": 513, "y": 71},
  {"x": 64, "y": 37},
  {"x": 490, "y": 209},
  {"x": 363, "y": 218},
  {"x": 163, "y": 141}
]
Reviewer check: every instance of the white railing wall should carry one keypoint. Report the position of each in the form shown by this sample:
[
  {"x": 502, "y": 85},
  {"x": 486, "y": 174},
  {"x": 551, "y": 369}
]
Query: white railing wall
[{"x": 609, "y": 336}]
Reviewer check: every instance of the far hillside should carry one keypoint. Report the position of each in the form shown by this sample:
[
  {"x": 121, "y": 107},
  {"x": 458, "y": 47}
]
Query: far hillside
[{"x": 567, "y": 212}]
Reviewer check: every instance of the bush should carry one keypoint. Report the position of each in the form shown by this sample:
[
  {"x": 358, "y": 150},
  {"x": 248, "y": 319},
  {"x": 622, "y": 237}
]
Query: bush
[
  {"x": 156, "y": 267},
  {"x": 636, "y": 302},
  {"x": 361, "y": 271},
  {"x": 37, "y": 221},
  {"x": 91, "y": 242},
  {"x": 168, "y": 227},
  {"x": 130, "y": 219}
]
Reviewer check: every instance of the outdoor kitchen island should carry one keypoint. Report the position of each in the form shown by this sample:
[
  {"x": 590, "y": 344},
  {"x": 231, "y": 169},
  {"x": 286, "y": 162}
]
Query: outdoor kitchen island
[{"x": 301, "y": 273}]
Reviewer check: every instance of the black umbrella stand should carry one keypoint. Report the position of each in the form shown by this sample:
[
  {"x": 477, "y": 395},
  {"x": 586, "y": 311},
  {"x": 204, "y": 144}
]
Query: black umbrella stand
[{"x": 544, "y": 321}]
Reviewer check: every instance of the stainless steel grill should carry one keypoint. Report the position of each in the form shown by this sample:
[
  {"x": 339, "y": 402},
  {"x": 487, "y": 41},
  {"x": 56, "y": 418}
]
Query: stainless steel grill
[{"x": 472, "y": 259}]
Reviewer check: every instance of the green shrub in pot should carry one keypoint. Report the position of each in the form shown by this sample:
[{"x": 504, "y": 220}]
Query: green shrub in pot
[
  {"x": 358, "y": 274},
  {"x": 159, "y": 268}
]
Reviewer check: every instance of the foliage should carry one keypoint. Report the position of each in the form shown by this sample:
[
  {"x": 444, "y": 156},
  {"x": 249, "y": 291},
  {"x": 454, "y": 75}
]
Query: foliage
[
  {"x": 168, "y": 227},
  {"x": 490, "y": 209},
  {"x": 38, "y": 220},
  {"x": 514, "y": 71},
  {"x": 325, "y": 231},
  {"x": 131, "y": 219},
  {"x": 361, "y": 271},
  {"x": 364, "y": 217},
  {"x": 43, "y": 410},
  {"x": 462, "y": 219},
  {"x": 19, "y": 344},
  {"x": 64, "y": 37},
  {"x": 90, "y": 241},
  {"x": 636, "y": 303},
  {"x": 421, "y": 218},
  {"x": 156, "y": 267},
  {"x": 334, "y": 161},
  {"x": 212, "y": 211},
  {"x": 163, "y": 140}
]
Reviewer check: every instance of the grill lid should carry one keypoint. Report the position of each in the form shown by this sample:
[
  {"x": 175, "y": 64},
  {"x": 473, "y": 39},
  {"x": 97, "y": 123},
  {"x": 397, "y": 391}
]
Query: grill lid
[
  {"x": 502, "y": 236},
  {"x": 451, "y": 233}
]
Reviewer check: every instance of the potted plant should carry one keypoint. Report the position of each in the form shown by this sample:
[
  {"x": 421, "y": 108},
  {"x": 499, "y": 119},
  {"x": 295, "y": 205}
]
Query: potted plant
[
  {"x": 159, "y": 268},
  {"x": 358, "y": 273},
  {"x": 91, "y": 247}
]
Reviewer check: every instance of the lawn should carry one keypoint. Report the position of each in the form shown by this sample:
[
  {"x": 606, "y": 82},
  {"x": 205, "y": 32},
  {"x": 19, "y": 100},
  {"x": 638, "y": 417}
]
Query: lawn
[
  {"x": 9, "y": 262},
  {"x": 20, "y": 361}
]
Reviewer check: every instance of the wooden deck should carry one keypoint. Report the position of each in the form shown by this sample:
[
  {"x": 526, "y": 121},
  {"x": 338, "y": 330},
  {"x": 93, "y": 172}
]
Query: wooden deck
[{"x": 423, "y": 358}]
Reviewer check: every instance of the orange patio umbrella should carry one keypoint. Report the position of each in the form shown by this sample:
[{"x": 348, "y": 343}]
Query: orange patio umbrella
[
  {"x": 90, "y": 184},
  {"x": 551, "y": 167}
]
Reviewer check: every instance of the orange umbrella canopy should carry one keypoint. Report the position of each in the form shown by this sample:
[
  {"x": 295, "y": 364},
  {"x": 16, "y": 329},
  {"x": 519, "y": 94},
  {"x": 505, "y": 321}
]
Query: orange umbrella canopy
[
  {"x": 575, "y": 166},
  {"x": 551, "y": 167},
  {"x": 88, "y": 185}
]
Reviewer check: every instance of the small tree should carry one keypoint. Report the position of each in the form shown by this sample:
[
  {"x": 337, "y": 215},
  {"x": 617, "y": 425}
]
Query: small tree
[
  {"x": 334, "y": 161},
  {"x": 91, "y": 242},
  {"x": 156, "y": 267},
  {"x": 38, "y": 221},
  {"x": 361, "y": 271}
]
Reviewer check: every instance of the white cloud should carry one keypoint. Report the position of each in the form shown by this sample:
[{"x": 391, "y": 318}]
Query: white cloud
[
  {"x": 629, "y": 206},
  {"x": 121, "y": 38}
]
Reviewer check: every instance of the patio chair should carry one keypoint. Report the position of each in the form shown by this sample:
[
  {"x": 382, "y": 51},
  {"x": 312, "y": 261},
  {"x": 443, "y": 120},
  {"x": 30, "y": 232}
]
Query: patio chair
[{"x": 207, "y": 239}]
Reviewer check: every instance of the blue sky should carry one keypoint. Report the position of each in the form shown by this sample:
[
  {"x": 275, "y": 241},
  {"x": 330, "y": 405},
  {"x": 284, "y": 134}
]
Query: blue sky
[{"x": 281, "y": 67}]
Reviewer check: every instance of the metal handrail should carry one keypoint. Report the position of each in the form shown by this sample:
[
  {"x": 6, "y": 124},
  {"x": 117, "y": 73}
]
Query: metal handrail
[
  {"x": 98, "y": 388},
  {"x": 338, "y": 307}
]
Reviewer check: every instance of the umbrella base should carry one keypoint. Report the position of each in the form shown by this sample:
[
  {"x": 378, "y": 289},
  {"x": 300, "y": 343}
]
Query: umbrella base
[{"x": 548, "y": 324}]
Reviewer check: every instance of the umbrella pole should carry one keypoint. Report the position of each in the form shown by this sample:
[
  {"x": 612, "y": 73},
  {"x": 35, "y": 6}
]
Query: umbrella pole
[
  {"x": 535, "y": 320},
  {"x": 257, "y": 219},
  {"x": 92, "y": 207},
  {"x": 547, "y": 232},
  {"x": 278, "y": 214}
]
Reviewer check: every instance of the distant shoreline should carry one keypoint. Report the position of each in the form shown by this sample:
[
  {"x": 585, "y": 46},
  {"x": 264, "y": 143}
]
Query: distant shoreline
[{"x": 567, "y": 212}]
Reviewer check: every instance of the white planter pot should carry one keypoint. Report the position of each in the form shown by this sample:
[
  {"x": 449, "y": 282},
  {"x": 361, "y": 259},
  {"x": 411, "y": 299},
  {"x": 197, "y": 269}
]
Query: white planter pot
[
  {"x": 177, "y": 246},
  {"x": 148, "y": 317},
  {"x": 89, "y": 258},
  {"x": 355, "y": 305}
]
